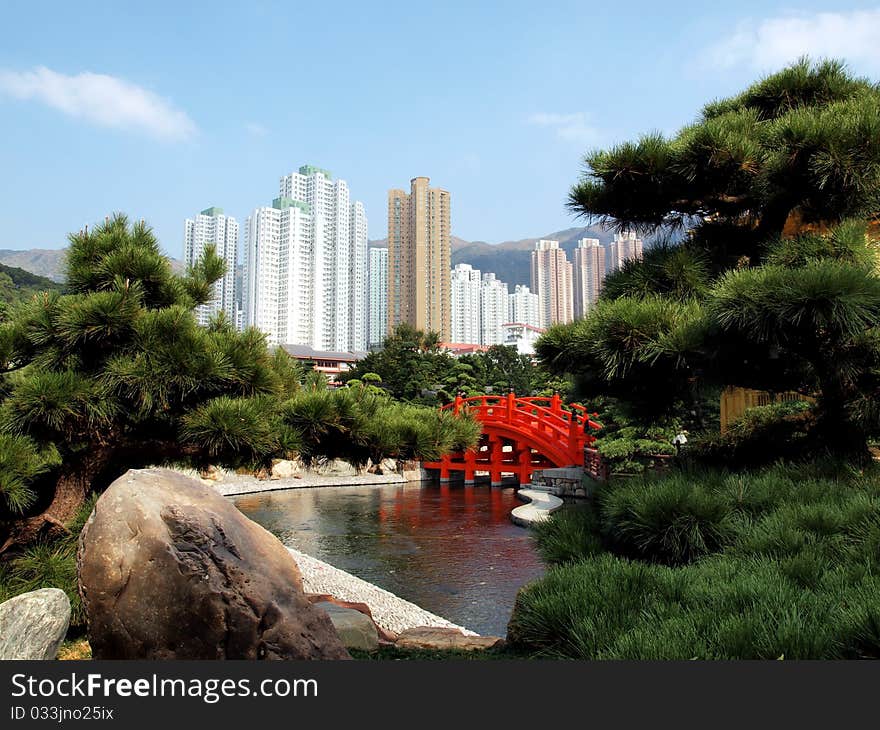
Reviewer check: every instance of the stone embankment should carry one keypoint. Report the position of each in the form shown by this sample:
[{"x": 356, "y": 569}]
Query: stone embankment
[
  {"x": 295, "y": 475},
  {"x": 389, "y": 611}
]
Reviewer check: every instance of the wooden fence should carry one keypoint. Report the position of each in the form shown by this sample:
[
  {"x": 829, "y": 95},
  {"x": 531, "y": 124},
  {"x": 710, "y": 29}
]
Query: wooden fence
[{"x": 735, "y": 401}]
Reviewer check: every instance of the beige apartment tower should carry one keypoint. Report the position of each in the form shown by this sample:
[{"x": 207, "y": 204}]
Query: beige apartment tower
[
  {"x": 589, "y": 273},
  {"x": 552, "y": 282},
  {"x": 420, "y": 259}
]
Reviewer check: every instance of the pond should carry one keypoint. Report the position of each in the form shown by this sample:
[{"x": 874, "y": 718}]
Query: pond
[{"x": 450, "y": 549}]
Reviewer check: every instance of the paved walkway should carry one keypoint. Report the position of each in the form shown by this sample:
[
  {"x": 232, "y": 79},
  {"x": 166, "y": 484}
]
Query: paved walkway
[{"x": 540, "y": 507}]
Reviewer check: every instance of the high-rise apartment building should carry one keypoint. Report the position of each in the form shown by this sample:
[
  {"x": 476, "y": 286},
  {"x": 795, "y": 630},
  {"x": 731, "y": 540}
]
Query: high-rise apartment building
[
  {"x": 552, "y": 282},
  {"x": 624, "y": 247},
  {"x": 524, "y": 307},
  {"x": 306, "y": 265},
  {"x": 466, "y": 285},
  {"x": 589, "y": 272},
  {"x": 211, "y": 226},
  {"x": 419, "y": 258},
  {"x": 377, "y": 305},
  {"x": 493, "y": 310},
  {"x": 278, "y": 290}
]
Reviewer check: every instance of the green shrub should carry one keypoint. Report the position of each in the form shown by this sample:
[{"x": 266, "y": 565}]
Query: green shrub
[
  {"x": 762, "y": 435},
  {"x": 719, "y": 608},
  {"x": 672, "y": 520},
  {"x": 569, "y": 535}
]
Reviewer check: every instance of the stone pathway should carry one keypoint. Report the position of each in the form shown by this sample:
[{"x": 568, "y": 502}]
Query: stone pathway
[{"x": 540, "y": 507}]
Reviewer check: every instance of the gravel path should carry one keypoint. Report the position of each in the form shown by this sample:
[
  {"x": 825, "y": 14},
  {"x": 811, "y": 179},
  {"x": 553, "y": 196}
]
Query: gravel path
[{"x": 389, "y": 611}]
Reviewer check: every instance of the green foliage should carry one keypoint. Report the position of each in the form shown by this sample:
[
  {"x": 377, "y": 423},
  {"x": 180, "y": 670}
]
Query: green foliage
[
  {"x": 571, "y": 535},
  {"x": 761, "y": 436},
  {"x": 775, "y": 563},
  {"x": 669, "y": 522},
  {"x": 805, "y": 138},
  {"x": 411, "y": 367},
  {"x": 673, "y": 269},
  {"x": 48, "y": 564},
  {"x": 238, "y": 431},
  {"x": 18, "y": 286},
  {"x": 774, "y": 187},
  {"x": 21, "y": 462}
]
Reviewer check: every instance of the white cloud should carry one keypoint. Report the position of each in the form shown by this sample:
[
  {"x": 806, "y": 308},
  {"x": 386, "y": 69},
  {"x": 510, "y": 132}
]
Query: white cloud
[
  {"x": 570, "y": 127},
  {"x": 105, "y": 100},
  {"x": 770, "y": 44},
  {"x": 256, "y": 129}
]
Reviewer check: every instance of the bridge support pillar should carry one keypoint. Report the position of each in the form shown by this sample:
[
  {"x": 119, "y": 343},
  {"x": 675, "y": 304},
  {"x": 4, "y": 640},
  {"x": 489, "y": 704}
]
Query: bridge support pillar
[
  {"x": 525, "y": 465},
  {"x": 470, "y": 466},
  {"x": 444, "y": 470},
  {"x": 495, "y": 456}
]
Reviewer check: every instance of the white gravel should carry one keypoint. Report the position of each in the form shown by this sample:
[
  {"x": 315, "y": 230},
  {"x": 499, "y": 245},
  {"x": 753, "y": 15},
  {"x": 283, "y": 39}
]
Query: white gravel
[
  {"x": 234, "y": 484},
  {"x": 389, "y": 611}
]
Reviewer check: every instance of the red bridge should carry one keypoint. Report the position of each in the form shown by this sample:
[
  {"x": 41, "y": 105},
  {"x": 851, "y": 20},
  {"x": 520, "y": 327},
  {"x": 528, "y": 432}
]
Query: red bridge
[{"x": 521, "y": 435}]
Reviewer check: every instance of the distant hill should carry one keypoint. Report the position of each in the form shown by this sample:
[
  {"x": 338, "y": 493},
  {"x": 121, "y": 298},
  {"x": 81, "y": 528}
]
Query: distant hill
[
  {"x": 17, "y": 285},
  {"x": 42, "y": 261},
  {"x": 49, "y": 262},
  {"x": 510, "y": 260}
]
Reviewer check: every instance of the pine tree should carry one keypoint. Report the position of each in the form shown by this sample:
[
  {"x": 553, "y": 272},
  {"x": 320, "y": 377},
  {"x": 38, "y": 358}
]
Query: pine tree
[
  {"x": 772, "y": 282},
  {"x": 111, "y": 373}
]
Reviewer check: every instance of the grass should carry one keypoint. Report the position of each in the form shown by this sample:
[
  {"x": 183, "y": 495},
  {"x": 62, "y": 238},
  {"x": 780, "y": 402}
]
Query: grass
[
  {"x": 782, "y": 562},
  {"x": 49, "y": 564}
]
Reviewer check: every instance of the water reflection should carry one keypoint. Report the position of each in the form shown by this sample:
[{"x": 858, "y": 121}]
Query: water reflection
[{"x": 450, "y": 549}]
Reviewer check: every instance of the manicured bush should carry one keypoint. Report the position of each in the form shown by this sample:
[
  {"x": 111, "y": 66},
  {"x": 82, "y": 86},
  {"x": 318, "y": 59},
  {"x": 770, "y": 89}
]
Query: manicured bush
[
  {"x": 673, "y": 520},
  {"x": 782, "y": 562},
  {"x": 721, "y": 608},
  {"x": 571, "y": 535}
]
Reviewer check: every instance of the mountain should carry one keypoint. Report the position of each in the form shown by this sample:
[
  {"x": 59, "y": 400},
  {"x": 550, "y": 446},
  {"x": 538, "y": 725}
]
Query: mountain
[
  {"x": 50, "y": 262},
  {"x": 17, "y": 285},
  {"x": 510, "y": 261},
  {"x": 42, "y": 261}
]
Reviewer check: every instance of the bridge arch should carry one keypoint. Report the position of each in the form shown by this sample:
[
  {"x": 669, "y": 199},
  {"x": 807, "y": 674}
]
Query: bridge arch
[{"x": 520, "y": 435}]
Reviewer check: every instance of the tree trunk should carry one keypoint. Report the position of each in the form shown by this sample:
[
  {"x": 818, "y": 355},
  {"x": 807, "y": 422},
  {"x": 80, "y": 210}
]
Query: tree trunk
[{"x": 71, "y": 490}]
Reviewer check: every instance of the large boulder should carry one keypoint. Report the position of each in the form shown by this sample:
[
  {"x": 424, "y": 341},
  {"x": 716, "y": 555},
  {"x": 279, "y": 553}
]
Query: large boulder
[
  {"x": 33, "y": 625},
  {"x": 169, "y": 569}
]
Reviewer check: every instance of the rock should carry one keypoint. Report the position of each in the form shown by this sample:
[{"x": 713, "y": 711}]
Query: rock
[
  {"x": 385, "y": 636},
  {"x": 212, "y": 474},
  {"x": 356, "y": 630},
  {"x": 33, "y": 625},
  {"x": 170, "y": 569},
  {"x": 285, "y": 469},
  {"x": 336, "y": 468},
  {"x": 435, "y": 637}
]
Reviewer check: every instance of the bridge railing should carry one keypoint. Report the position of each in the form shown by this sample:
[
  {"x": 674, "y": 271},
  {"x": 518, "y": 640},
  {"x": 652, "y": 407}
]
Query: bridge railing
[{"x": 570, "y": 424}]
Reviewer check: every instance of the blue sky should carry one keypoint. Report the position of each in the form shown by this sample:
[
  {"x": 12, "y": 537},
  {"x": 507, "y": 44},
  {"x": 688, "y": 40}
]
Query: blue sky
[{"x": 161, "y": 109}]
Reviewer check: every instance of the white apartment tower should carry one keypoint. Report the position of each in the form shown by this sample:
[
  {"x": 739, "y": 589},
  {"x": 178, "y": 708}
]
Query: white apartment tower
[
  {"x": 523, "y": 307},
  {"x": 212, "y": 227},
  {"x": 589, "y": 272},
  {"x": 377, "y": 309},
  {"x": 306, "y": 265},
  {"x": 493, "y": 310},
  {"x": 551, "y": 281},
  {"x": 465, "y": 319},
  {"x": 624, "y": 247}
]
